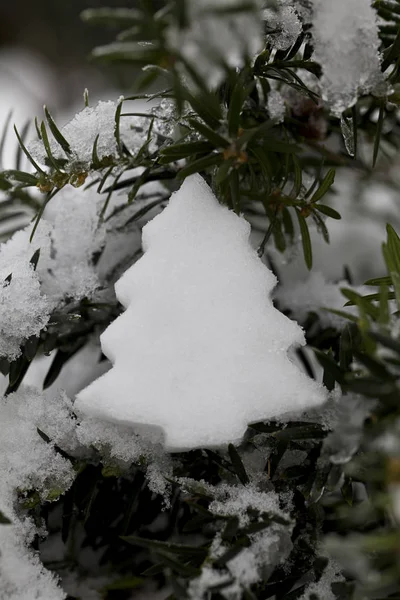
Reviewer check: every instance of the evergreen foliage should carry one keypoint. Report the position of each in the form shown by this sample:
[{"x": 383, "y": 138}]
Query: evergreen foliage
[{"x": 331, "y": 480}]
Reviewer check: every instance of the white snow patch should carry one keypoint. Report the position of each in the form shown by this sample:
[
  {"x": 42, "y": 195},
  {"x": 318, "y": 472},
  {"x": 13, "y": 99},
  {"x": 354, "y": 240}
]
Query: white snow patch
[
  {"x": 200, "y": 351},
  {"x": 346, "y": 43}
]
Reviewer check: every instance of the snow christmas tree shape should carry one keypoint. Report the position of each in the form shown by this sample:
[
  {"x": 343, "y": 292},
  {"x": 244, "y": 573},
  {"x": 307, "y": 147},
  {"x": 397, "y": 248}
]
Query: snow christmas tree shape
[{"x": 200, "y": 351}]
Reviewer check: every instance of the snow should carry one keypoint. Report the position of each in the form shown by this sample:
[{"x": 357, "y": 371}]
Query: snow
[
  {"x": 119, "y": 446},
  {"x": 212, "y": 38},
  {"x": 276, "y": 106},
  {"x": 199, "y": 335},
  {"x": 82, "y": 131},
  {"x": 33, "y": 464},
  {"x": 76, "y": 235},
  {"x": 236, "y": 500},
  {"x": 68, "y": 237},
  {"x": 323, "y": 587},
  {"x": 314, "y": 294},
  {"x": 266, "y": 550},
  {"x": 24, "y": 309},
  {"x": 346, "y": 44},
  {"x": 285, "y": 24}
]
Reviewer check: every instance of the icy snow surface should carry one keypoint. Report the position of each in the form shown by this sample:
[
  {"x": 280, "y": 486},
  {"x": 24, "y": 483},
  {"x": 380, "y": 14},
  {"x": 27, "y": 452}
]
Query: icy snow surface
[
  {"x": 346, "y": 45},
  {"x": 200, "y": 351}
]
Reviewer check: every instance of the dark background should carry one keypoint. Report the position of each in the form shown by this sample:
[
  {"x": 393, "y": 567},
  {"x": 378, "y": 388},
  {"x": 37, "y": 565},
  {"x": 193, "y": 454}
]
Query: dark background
[
  {"x": 53, "y": 28},
  {"x": 53, "y": 31}
]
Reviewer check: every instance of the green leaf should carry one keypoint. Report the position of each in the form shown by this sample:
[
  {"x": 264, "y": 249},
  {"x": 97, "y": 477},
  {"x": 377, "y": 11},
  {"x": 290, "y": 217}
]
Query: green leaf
[
  {"x": 386, "y": 341},
  {"x": 305, "y": 432},
  {"x": 298, "y": 177},
  {"x": 332, "y": 371},
  {"x": 217, "y": 140},
  {"x": 179, "y": 151},
  {"x": 273, "y": 145},
  {"x": 4, "y": 135},
  {"x": 45, "y": 138},
  {"x": 127, "y": 52},
  {"x": 374, "y": 366},
  {"x": 3, "y": 519},
  {"x": 122, "y": 17},
  {"x": 95, "y": 156},
  {"x": 305, "y": 238},
  {"x": 365, "y": 302},
  {"x": 27, "y": 153},
  {"x": 346, "y": 348},
  {"x": 393, "y": 244},
  {"x": 35, "y": 259},
  {"x": 205, "y": 106},
  {"x": 126, "y": 583},
  {"x": 117, "y": 125},
  {"x": 235, "y": 191},
  {"x": 238, "y": 465},
  {"x": 326, "y": 183},
  {"x": 328, "y": 211},
  {"x": 141, "y": 180},
  {"x": 166, "y": 547},
  {"x": 58, "y": 362},
  {"x": 392, "y": 53},
  {"x": 200, "y": 165},
  {"x": 239, "y": 94},
  {"x": 58, "y": 136},
  {"x": 378, "y": 132},
  {"x": 86, "y": 97},
  {"x": 377, "y": 281},
  {"x": 21, "y": 177}
]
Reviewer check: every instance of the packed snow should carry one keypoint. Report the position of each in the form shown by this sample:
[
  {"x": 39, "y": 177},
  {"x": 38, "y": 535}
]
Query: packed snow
[{"x": 199, "y": 335}]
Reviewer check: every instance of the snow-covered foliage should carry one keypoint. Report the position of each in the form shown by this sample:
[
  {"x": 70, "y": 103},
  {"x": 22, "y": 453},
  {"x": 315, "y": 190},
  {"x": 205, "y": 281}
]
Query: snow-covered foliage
[
  {"x": 316, "y": 295},
  {"x": 283, "y": 25},
  {"x": 276, "y": 106},
  {"x": 97, "y": 124},
  {"x": 25, "y": 309},
  {"x": 33, "y": 464},
  {"x": 267, "y": 547},
  {"x": 197, "y": 250},
  {"x": 279, "y": 440}
]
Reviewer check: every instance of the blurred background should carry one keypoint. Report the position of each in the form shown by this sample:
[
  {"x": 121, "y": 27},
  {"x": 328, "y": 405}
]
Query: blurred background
[
  {"x": 51, "y": 33},
  {"x": 44, "y": 59}
]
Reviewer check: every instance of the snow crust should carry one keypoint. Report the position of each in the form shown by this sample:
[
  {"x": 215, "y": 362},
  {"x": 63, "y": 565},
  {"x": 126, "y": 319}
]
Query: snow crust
[{"x": 200, "y": 335}]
